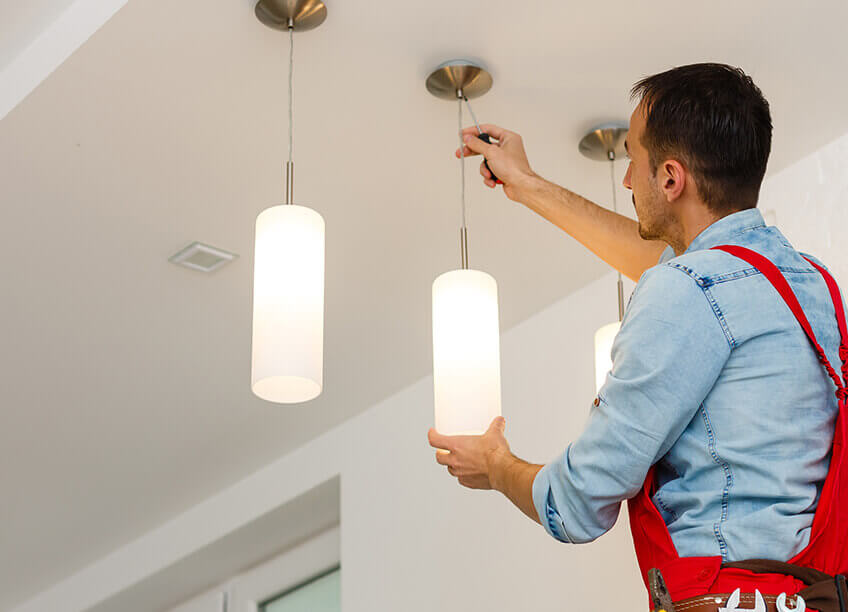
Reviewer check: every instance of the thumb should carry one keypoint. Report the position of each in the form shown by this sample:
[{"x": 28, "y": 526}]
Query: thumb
[
  {"x": 477, "y": 145},
  {"x": 498, "y": 424}
]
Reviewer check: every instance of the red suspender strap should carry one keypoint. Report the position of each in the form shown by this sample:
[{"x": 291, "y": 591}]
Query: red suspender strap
[
  {"x": 825, "y": 551},
  {"x": 840, "y": 316},
  {"x": 770, "y": 271}
]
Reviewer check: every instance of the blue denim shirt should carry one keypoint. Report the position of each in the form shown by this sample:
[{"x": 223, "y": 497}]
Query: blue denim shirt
[{"x": 714, "y": 381}]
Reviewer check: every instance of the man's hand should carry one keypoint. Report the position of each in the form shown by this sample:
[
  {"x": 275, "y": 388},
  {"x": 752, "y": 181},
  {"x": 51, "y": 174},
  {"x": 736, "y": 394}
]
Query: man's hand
[
  {"x": 507, "y": 158},
  {"x": 609, "y": 235},
  {"x": 473, "y": 460},
  {"x": 485, "y": 462}
]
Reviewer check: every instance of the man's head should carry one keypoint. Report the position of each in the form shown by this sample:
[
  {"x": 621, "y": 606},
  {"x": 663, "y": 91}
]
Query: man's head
[{"x": 700, "y": 133}]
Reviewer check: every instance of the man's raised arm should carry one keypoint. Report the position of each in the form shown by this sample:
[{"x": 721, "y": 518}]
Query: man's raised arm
[{"x": 612, "y": 237}]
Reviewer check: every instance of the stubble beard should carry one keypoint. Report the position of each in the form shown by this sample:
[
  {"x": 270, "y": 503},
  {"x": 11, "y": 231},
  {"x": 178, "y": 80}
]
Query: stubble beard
[
  {"x": 644, "y": 234},
  {"x": 652, "y": 221},
  {"x": 646, "y": 231}
]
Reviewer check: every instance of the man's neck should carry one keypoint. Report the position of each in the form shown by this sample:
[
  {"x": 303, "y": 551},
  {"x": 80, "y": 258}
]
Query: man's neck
[{"x": 694, "y": 220}]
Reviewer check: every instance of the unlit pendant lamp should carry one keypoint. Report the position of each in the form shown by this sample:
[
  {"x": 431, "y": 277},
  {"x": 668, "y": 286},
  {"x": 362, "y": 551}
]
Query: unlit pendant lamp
[
  {"x": 466, "y": 335},
  {"x": 606, "y": 143},
  {"x": 288, "y": 281}
]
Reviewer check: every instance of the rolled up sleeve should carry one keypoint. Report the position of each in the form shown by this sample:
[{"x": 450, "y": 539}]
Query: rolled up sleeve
[{"x": 666, "y": 359}]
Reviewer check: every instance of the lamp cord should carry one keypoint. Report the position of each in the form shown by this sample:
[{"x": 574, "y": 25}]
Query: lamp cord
[
  {"x": 612, "y": 183},
  {"x": 615, "y": 210},
  {"x": 462, "y": 163},
  {"x": 291, "y": 70},
  {"x": 463, "y": 231},
  {"x": 290, "y": 163}
]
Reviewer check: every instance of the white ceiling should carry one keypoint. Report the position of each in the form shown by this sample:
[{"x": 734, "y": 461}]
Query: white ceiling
[{"x": 125, "y": 390}]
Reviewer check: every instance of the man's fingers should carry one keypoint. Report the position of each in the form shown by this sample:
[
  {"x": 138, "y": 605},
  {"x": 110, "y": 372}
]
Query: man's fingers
[
  {"x": 484, "y": 171},
  {"x": 495, "y": 131},
  {"x": 437, "y": 440},
  {"x": 469, "y": 131},
  {"x": 466, "y": 133},
  {"x": 488, "y": 180},
  {"x": 447, "y": 460},
  {"x": 466, "y": 152},
  {"x": 477, "y": 145}
]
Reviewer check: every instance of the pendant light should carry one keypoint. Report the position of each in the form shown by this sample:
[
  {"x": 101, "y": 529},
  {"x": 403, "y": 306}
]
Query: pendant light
[
  {"x": 288, "y": 281},
  {"x": 466, "y": 336},
  {"x": 606, "y": 143}
]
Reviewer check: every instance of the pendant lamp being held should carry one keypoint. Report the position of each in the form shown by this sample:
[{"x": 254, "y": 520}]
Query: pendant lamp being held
[
  {"x": 605, "y": 143},
  {"x": 466, "y": 335},
  {"x": 288, "y": 281}
]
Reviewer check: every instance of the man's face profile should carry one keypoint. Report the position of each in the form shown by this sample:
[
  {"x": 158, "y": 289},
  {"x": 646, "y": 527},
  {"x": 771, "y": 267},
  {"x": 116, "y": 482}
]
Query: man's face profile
[{"x": 649, "y": 203}]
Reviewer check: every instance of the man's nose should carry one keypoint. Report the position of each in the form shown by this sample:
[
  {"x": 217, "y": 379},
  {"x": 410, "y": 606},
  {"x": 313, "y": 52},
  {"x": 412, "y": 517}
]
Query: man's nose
[{"x": 626, "y": 180}]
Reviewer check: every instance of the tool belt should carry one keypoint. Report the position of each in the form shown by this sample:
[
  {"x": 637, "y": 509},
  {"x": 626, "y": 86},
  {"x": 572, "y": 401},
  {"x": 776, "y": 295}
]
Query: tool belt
[
  {"x": 719, "y": 601},
  {"x": 823, "y": 592}
]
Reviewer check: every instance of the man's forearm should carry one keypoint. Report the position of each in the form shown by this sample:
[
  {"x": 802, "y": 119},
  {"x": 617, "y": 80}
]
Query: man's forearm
[
  {"x": 514, "y": 478},
  {"x": 611, "y": 236}
]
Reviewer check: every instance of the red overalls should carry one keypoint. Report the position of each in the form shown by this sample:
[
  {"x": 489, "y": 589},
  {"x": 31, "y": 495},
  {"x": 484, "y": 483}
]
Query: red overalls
[{"x": 828, "y": 547}]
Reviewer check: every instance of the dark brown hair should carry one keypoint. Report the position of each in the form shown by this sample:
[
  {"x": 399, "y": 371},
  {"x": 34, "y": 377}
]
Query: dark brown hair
[{"x": 713, "y": 119}]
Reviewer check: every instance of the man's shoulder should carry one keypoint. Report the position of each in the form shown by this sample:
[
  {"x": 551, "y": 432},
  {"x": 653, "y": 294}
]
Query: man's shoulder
[
  {"x": 674, "y": 282},
  {"x": 671, "y": 296},
  {"x": 696, "y": 265},
  {"x": 667, "y": 285},
  {"x": 814, "y": 259},
  {"x": 706, "y": 266}
]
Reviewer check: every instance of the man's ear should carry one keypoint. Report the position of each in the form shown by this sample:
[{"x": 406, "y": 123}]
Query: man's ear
[{"x": 671, "y": 178}]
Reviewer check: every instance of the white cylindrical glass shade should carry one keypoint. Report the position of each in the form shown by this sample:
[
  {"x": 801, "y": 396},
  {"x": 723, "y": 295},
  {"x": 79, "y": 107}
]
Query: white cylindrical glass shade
[
  {"x": 288, "y": 304},
  {"x": 603, "y": 352},
  {"x": 466, "y": 352}
]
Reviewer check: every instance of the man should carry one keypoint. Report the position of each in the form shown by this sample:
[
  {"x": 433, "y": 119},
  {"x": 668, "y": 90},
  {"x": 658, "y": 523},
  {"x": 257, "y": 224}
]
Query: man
[{"x": 714, "y": 396}]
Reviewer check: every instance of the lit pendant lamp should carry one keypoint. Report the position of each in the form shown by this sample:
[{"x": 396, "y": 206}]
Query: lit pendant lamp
[
  {"x": 605, "y": 143},
  {"x": 288, "y": 281},
  {"x": 466, "y": 336}
]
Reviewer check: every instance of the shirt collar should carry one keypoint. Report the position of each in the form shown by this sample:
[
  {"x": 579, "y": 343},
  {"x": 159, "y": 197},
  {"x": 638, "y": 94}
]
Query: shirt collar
[{"x": 725, "y": 228}]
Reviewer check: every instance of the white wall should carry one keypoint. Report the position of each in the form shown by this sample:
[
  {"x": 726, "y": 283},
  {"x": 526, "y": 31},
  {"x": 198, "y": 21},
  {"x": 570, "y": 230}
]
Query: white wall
[
  {"x": 411, "y": 538},
  {"x": 810, "y": 199}
]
